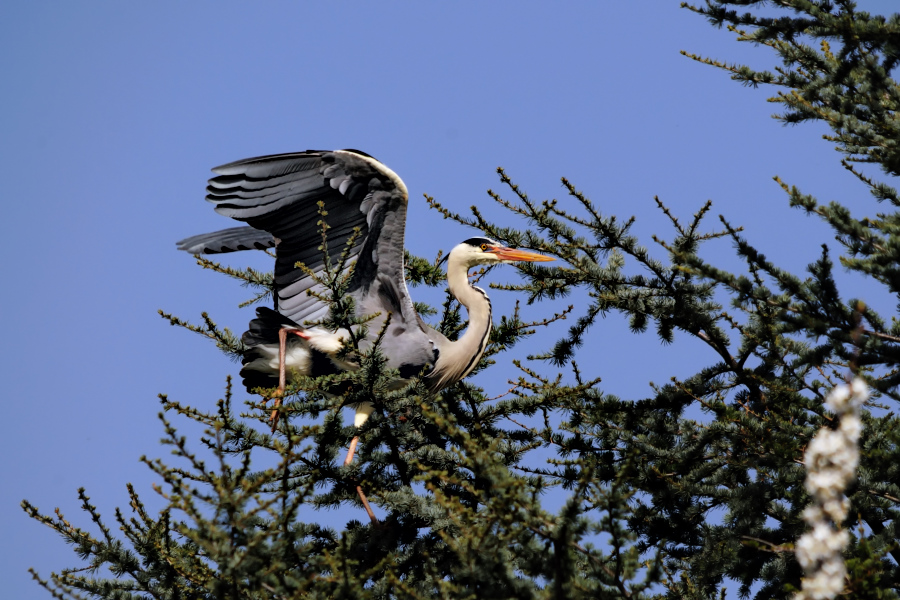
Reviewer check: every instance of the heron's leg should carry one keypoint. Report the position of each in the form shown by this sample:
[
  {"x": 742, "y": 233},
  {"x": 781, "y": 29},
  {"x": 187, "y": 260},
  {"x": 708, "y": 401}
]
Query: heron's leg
[
  {"x": 362, "y": 497},
  {"x": 351, "y": 451},
  {"x": 365, "y": 503},
  {"x": 282, "y": 376}
]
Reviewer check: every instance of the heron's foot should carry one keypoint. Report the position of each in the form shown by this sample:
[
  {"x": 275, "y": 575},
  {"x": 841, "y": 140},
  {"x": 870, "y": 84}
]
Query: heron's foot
[{"x": 273, "y": 418}]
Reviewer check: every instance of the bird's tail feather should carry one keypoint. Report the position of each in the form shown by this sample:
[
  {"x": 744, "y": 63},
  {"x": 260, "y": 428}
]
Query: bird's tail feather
[
  {"x": 261, "y": 342},
  {"x": 228, "y": 240},
  {"x": 265, "y": 327}
]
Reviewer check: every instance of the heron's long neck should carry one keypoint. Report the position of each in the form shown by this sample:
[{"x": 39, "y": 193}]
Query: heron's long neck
[{"x": 467, "y": 350}]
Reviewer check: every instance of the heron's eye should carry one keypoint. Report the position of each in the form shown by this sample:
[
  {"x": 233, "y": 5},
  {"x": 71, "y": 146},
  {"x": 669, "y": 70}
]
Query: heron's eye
[{"x": 484, "y": 247}]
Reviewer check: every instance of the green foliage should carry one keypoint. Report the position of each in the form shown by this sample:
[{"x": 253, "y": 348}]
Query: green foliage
[{"x": 655, "y": 502}]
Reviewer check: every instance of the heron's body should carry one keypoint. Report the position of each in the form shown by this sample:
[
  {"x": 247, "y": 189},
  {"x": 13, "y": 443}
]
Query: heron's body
[{"x": 278, "y": 197}]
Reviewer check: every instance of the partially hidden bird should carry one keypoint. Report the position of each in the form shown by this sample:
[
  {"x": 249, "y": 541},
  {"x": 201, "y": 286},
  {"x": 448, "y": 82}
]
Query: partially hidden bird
[{"x": 279, "y": 198}]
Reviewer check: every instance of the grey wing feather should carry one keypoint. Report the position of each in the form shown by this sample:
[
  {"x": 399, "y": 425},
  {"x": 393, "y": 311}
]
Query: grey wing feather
[
  {"x": 279, "y": 194},
  {"x": 228, "y": 240}
]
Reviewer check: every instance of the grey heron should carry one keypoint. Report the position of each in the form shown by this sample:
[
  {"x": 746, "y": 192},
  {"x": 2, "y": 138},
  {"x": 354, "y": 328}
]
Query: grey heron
[{"x": 278, "y": 197}]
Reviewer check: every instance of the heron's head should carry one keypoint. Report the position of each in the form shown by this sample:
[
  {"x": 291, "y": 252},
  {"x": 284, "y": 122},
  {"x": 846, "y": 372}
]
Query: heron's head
[{"x": 485, "y": 251}]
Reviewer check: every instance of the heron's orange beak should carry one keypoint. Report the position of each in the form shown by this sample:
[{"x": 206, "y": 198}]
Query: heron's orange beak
[{"x": 512, "y": 254}]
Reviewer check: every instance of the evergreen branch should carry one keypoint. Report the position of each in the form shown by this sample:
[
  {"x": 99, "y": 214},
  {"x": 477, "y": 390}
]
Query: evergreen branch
[
  {"x": 224, "y": 339},
  {"x": 249, "y": 277},
  {"x": 879, "y": 190}
]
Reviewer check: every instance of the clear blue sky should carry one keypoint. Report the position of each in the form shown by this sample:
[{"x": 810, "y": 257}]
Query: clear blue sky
[{"x": 113, "y": 113}]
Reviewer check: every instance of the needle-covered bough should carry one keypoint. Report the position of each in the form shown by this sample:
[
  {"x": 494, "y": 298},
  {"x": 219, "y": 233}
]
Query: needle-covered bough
[{"x": 278, "y": 197}]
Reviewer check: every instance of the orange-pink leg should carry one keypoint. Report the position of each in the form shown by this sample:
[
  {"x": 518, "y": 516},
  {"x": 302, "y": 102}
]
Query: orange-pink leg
[
  {"x": 351, "y": 451},
  {"x": 365, "y": 501},
  {"x": 282, "y": 384},
  {"x": 282, "y": 376}
]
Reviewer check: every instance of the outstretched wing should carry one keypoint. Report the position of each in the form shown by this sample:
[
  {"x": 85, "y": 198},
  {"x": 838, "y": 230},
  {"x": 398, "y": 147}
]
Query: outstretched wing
[{"x": 279, "y": 195}]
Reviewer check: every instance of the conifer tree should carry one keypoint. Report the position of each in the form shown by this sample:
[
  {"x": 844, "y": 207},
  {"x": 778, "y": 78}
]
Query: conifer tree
[{"x": 460, "y": 476}]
